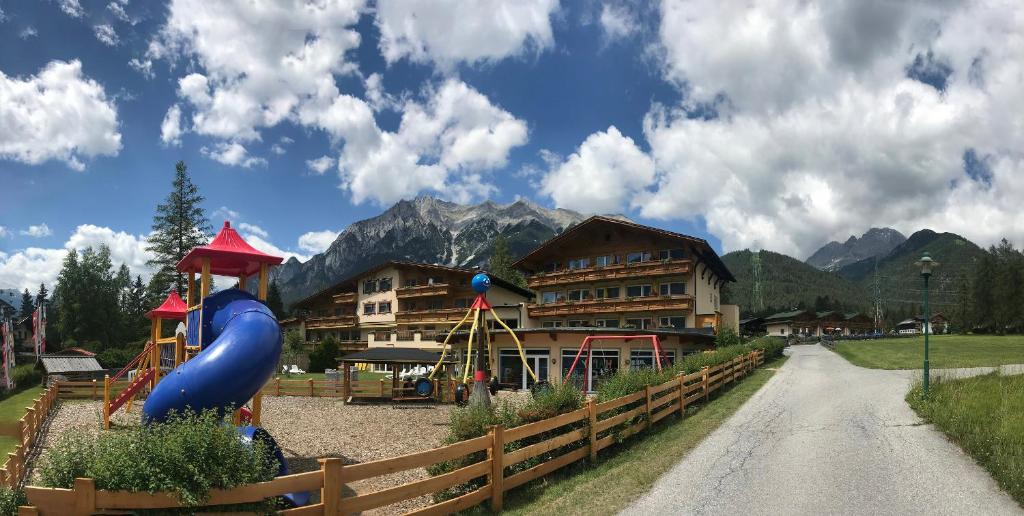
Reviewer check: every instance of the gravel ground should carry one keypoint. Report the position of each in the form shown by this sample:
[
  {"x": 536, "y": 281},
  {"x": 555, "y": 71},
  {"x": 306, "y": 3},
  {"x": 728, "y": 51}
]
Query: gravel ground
[
  {"x": 826, "y": 437},
  {"x": 312, "y": 428}
]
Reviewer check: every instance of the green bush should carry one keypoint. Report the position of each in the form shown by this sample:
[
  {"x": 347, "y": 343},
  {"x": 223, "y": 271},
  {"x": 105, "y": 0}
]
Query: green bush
[
  {"x": 116, "y": 358},
  {"x": 188, "y": 455},
  {"x": 324, "y": 355},
  {"x": 26, "y": 376},
  {"x": 772, "y": 346},
  {"x": 727, "y": 337},
  {"x": 557, "y": 398},
  {"x": 10, "y": 499}
]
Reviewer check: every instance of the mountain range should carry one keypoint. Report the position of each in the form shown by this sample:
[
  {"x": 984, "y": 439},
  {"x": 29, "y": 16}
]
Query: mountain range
[
  {"x": 876, "y": 242},
  {"x": 426, "y": 230}
]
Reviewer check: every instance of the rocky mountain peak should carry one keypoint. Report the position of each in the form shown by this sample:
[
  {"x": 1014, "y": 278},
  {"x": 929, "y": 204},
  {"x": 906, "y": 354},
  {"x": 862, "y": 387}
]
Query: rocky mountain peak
[{"x": 875, "y": 242}]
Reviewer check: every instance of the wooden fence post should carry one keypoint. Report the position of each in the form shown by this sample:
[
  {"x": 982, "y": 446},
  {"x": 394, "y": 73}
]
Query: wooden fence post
[
  {"x": 381, "y": 387},
  {"x": 330, "y": 494},
  {"x": 592, "y": 412},
  {"x": 257, "y": 408},
  {"x": 85, "y": 496},
  {"x": 682, "y": 395},
  {"x": 497, "y": 456},
  {"x": 311, "y": 387},
  {"x": 93, "y": 388},
  {"x": 647, "y": 390},
  {"x": 277, "y": 386},
  {"x": 27, "y": 510},
  {"x": 106, "y": 402},
  {"x": 704, "y": 382}
]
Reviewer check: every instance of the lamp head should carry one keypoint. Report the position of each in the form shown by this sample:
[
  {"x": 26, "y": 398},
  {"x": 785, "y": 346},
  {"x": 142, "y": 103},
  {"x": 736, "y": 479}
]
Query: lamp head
[{"x": 926, "y": 264}]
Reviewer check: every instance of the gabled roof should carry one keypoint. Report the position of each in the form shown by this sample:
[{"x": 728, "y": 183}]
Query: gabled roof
[
  {"x": 704, "y": 251},
  {"x": 172, "y": 308},
  {"x": 230, "y": 255},
  {"x": 69, "y": 364},
  {"x": 785, "y": 316}
]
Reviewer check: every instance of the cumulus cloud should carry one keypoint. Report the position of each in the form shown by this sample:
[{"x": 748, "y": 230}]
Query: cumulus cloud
[
  {"x": 4, "y": 232},
  {"x": 27, "y": 268},
  {"x": 260, "y": 239},
  {"x": 617, "y": 22},
  {"x": 315, "y": 242},
  {"x": 143, "y": 66},
  {"x": 72, "y": 8},
  {"x": 28, "y": 32},
  {"x": 253, "y": 229},
  {"x": 320, "y": 165},
  {"x": 233, "y": 154},
  {"x": 106, "y": 35},
  {"x": 57, "y": 114},
  {"x": 424, "y": 30},
  {"x": 39, "y": 231},
  {"x": 828, "y": 118},
  {"x": 170, "y": 128},
  {"x": 118, "y": 11},
  {"x": 602, "y": 176},
  {"x": 279, "y": 148},
  {"x": 226, "y": 213}
]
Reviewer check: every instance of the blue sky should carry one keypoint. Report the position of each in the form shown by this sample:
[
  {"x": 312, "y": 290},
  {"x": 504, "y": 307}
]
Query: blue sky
[{"x": 772, "y": 124}]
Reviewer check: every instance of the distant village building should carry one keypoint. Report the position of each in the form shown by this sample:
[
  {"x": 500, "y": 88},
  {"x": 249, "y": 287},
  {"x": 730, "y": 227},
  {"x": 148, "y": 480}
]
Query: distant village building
[
  {"x": 806, "y": 323},
  {"x": 916, "y": 325},
  {"x": 71, "y": 364},
  {"x": 753, "y": 326}
]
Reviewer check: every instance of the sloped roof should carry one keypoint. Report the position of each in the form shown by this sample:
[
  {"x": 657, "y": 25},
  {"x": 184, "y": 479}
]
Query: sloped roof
[
  {"x": 172, "y": 308},
  {"x": 69, "y": 364},
  {"x": 785, "y": 315},
  {"x": 230, "y": 255},
  {"x": 394, "y": 355}
]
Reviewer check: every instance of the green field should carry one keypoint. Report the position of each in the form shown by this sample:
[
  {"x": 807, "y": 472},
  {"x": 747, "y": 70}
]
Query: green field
[
  {"x": 11, "y": 409},
  {"x": 621, "y": 477},
  {"x": 985, "y": 416},
  {"x": 944, "y": 351}
]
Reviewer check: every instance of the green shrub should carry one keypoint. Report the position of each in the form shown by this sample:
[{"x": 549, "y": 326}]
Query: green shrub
[
  {"x": 558, "y": 398},
  {"x": 324, "y": 355},
  {"x": 771, "y": 346},
  {"x": 26, "y": 376},
  {"x": 188, "y": 455},
  {"x": 10, "y": 499},
  {"x": 116, "y": 358},
  {"x": 727, "y": 337}
]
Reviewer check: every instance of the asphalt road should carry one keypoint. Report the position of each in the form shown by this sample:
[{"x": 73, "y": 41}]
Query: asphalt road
[{"x": 826, "y": 437}]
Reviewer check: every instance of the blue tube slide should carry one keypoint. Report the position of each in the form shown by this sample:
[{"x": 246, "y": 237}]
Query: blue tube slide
[{"x": 244, "y": 348}]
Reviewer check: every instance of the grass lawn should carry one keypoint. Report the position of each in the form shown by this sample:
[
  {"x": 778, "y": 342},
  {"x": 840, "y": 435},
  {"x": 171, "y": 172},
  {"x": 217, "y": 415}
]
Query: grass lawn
[
  {"x": 11, "y": 409},
  {"x": 944, "y": 351},
  {"x": 630, "y": 471},
  {"x": 985, "y": 416}
]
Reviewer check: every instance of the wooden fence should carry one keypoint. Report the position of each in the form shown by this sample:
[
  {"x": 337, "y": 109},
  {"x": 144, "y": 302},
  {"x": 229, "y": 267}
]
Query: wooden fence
[
  {"x": 25, "y": 431},
  {"x": 444, "y": 390},
  {"x": 91, "y": 390},
  {"x": 567, "y": 438}
]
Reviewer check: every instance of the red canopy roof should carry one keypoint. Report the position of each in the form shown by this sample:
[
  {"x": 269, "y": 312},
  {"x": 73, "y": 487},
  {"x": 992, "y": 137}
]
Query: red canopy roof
[
  {"x": 229, "y": 255},
  {"x": 172, "y": 308}
]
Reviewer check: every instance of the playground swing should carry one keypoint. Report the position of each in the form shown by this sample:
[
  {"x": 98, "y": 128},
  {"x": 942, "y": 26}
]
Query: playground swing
[
  {"x": 481, "y": 283},
  {"x": 659, "y": 355}
]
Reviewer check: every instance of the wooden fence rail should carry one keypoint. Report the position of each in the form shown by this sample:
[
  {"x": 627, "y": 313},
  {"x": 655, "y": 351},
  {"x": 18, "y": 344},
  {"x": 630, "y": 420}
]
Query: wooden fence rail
[
  {"x": 25, "y": 431},
  {"x": 567, "y": 438}
]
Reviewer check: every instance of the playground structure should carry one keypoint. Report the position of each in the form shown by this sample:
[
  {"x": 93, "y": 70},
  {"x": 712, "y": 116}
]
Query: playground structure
[
  {"x": 587, "y": 344},
  {"x": 481, "y": 284}
]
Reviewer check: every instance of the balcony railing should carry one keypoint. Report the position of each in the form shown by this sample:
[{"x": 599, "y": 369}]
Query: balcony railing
[
  {"x": 345, "y": 298},
  {"x": 338, "y": 321},
  {"x": 440, "y": 315},
  {"x": 437, "y": 289},
  {"x": 598, "y": 306},
  {"x": 620, "y": 271}
]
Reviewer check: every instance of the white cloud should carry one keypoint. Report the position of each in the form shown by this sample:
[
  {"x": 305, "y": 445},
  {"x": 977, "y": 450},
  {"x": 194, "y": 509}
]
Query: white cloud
[
  {"x": 375, "y": 94},
  {"x": 617, "y": 22},
  {"x": 143, "y": 66},
  {"x": 279, "y": 147},
  {"x": 72, "y": 8},
  {"x": 3, "y": 16},
  {"x": 118, "y": 11},
  {"x": 28, "y": 32},
  {"x": 446, "y": 32},
  {"x": 821, "y": 134},
  {"x": 106, "y": 35},
  {"x": 27, "y": 268},
  {"x": 315, "y": 242},
  {"x": 233, "y": 154},
  {"x": 170, "y": 128},
  {"x": 253, "y": 229},
  {"x": 57, "y": 114},
  {"x": 4, "y": 232},
  {"x": 602, "y": 176},
  {"x": 39, "y": 231},
  {"x": 226, "y": 213},
  {"x": 320, "y": 165}
]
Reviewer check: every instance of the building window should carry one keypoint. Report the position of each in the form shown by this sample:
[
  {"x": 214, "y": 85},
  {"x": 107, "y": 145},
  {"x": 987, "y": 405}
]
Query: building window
[
  {"x": 606, "y": 260},
  {"x": 369, "y": 286},
  {"x": 384, "y": 307},
  {"x": 637, "y": 257},
  {"x": 579, "y": 295},
  {"x": 435, "y": 304},
  {"x": 581, "y": 263},
  {"x": 638, "y": 291},
  {"x": 672, "y": 289},
  {"x": 369, "y": 308},
  {"x": 677, "y": 322},
  {"x": 604, "y": 363},
  {"x": 606, "y": 323},
  {"x": 644, "y": 358},
  {"x": 463, "y": 302},
  {"x": 385, "y": 284},
  {"x": 552, "y": 297},
  {"x": 434, "y": 280},
  {"x": 494, "y": 326},
  {"x": 551, "y": 324},
  {"x": 551, "y": 267},
  {"x": 412, "y": 282},
  {"x": 578, "y": 323},
  {"x": 640, "y": 323},
  {"x": 607, "y": 292},
  {"x": 671, "y": 254}
]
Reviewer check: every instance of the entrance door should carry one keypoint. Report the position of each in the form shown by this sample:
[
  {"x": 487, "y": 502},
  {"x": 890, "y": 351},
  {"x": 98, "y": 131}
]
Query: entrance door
[
  {"x": 539, "y": 364},
  {"x": 512, "y": 372}
]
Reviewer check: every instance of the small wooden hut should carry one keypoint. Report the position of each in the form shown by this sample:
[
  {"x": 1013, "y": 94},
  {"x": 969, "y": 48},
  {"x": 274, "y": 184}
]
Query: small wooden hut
[{"x": 397, "y": 389}]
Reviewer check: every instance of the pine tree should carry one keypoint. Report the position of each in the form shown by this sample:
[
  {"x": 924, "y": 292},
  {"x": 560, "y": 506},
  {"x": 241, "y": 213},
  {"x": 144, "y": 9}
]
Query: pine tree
[
  {"x": 501, "y": 261},
  {"x": 66, "y": 297},
  {"x": 178, "y": 226},
  {"x": 41, "y": 296},
  {"x": 274, "y": 300},
  {"x": 137, "y": 307},
  {"x": 28, "y": 305}
]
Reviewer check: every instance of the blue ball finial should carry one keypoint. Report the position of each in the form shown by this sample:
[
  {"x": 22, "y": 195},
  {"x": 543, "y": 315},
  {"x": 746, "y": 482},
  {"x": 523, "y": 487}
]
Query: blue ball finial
[{"x": 481, "y": 282}]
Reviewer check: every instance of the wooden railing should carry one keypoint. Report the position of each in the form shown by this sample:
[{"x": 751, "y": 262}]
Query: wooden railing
[
  {"x": 381, "y": 388},
  {"x": 592, "y": 306},
  {"x": 578, "y": 435},
  {"x": 25, "y": 431},
  {"x": 92, "y": 389},
  {"x": 610, "y": 273},
  {"x": 331, "y": 321},
  {"x": 437, "y": 289},
  {"x": 438, "y": 315},
  {"x": 345, "y": 298}
]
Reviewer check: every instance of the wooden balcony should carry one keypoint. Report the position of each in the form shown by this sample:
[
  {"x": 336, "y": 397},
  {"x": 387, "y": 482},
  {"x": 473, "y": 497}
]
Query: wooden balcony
[
  {"x": 339, "y": 321},
  {"x": 602, "y": 306},
  {"x": 345, "y": 298},
  {"x": 442, "y": 315},
  {"x": 437, "y": 289},
  {"x": 621, "y": 271}
]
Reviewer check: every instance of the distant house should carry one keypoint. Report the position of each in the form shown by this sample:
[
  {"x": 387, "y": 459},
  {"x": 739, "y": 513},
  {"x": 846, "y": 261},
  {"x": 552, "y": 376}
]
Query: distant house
[
  {"x": 916, "y": 325},
  {"x": 815, "y": 324},
  {"x": 752, "y": 326},
  {"x": 796, "y": 322},
  {"x": 72, "y": 364}
]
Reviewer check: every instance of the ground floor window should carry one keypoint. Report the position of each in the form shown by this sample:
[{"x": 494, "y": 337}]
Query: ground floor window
[
  {"x": 676, "y": 322},
  {"x": 640, "y": 323},
  {"x": 511, "y": 371},
  {"x": 578, "y": 323},
  {"x": 551, "y": 324},
  {"x": 639, "y": 358},
  {"x": 604, "y": 363},
  {"x": 606, "y": 323}
]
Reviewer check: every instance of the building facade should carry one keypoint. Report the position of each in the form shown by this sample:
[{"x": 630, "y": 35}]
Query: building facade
[{"x": 806, "y": 323}]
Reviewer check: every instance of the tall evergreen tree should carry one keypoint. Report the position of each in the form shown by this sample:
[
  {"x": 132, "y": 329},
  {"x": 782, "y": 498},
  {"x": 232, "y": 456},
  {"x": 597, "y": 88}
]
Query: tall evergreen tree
[
  {"x": 178, "y": 226},
  {"x": 28, "y": 305},
  {"x": 274, "y": 302},
  {"x": 501, "y": 262},
  {"x": 42, "y": 295}
]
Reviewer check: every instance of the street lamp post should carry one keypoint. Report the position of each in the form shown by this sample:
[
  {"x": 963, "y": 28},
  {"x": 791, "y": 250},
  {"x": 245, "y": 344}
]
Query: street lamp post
[{"x": 926, "y": 264}]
